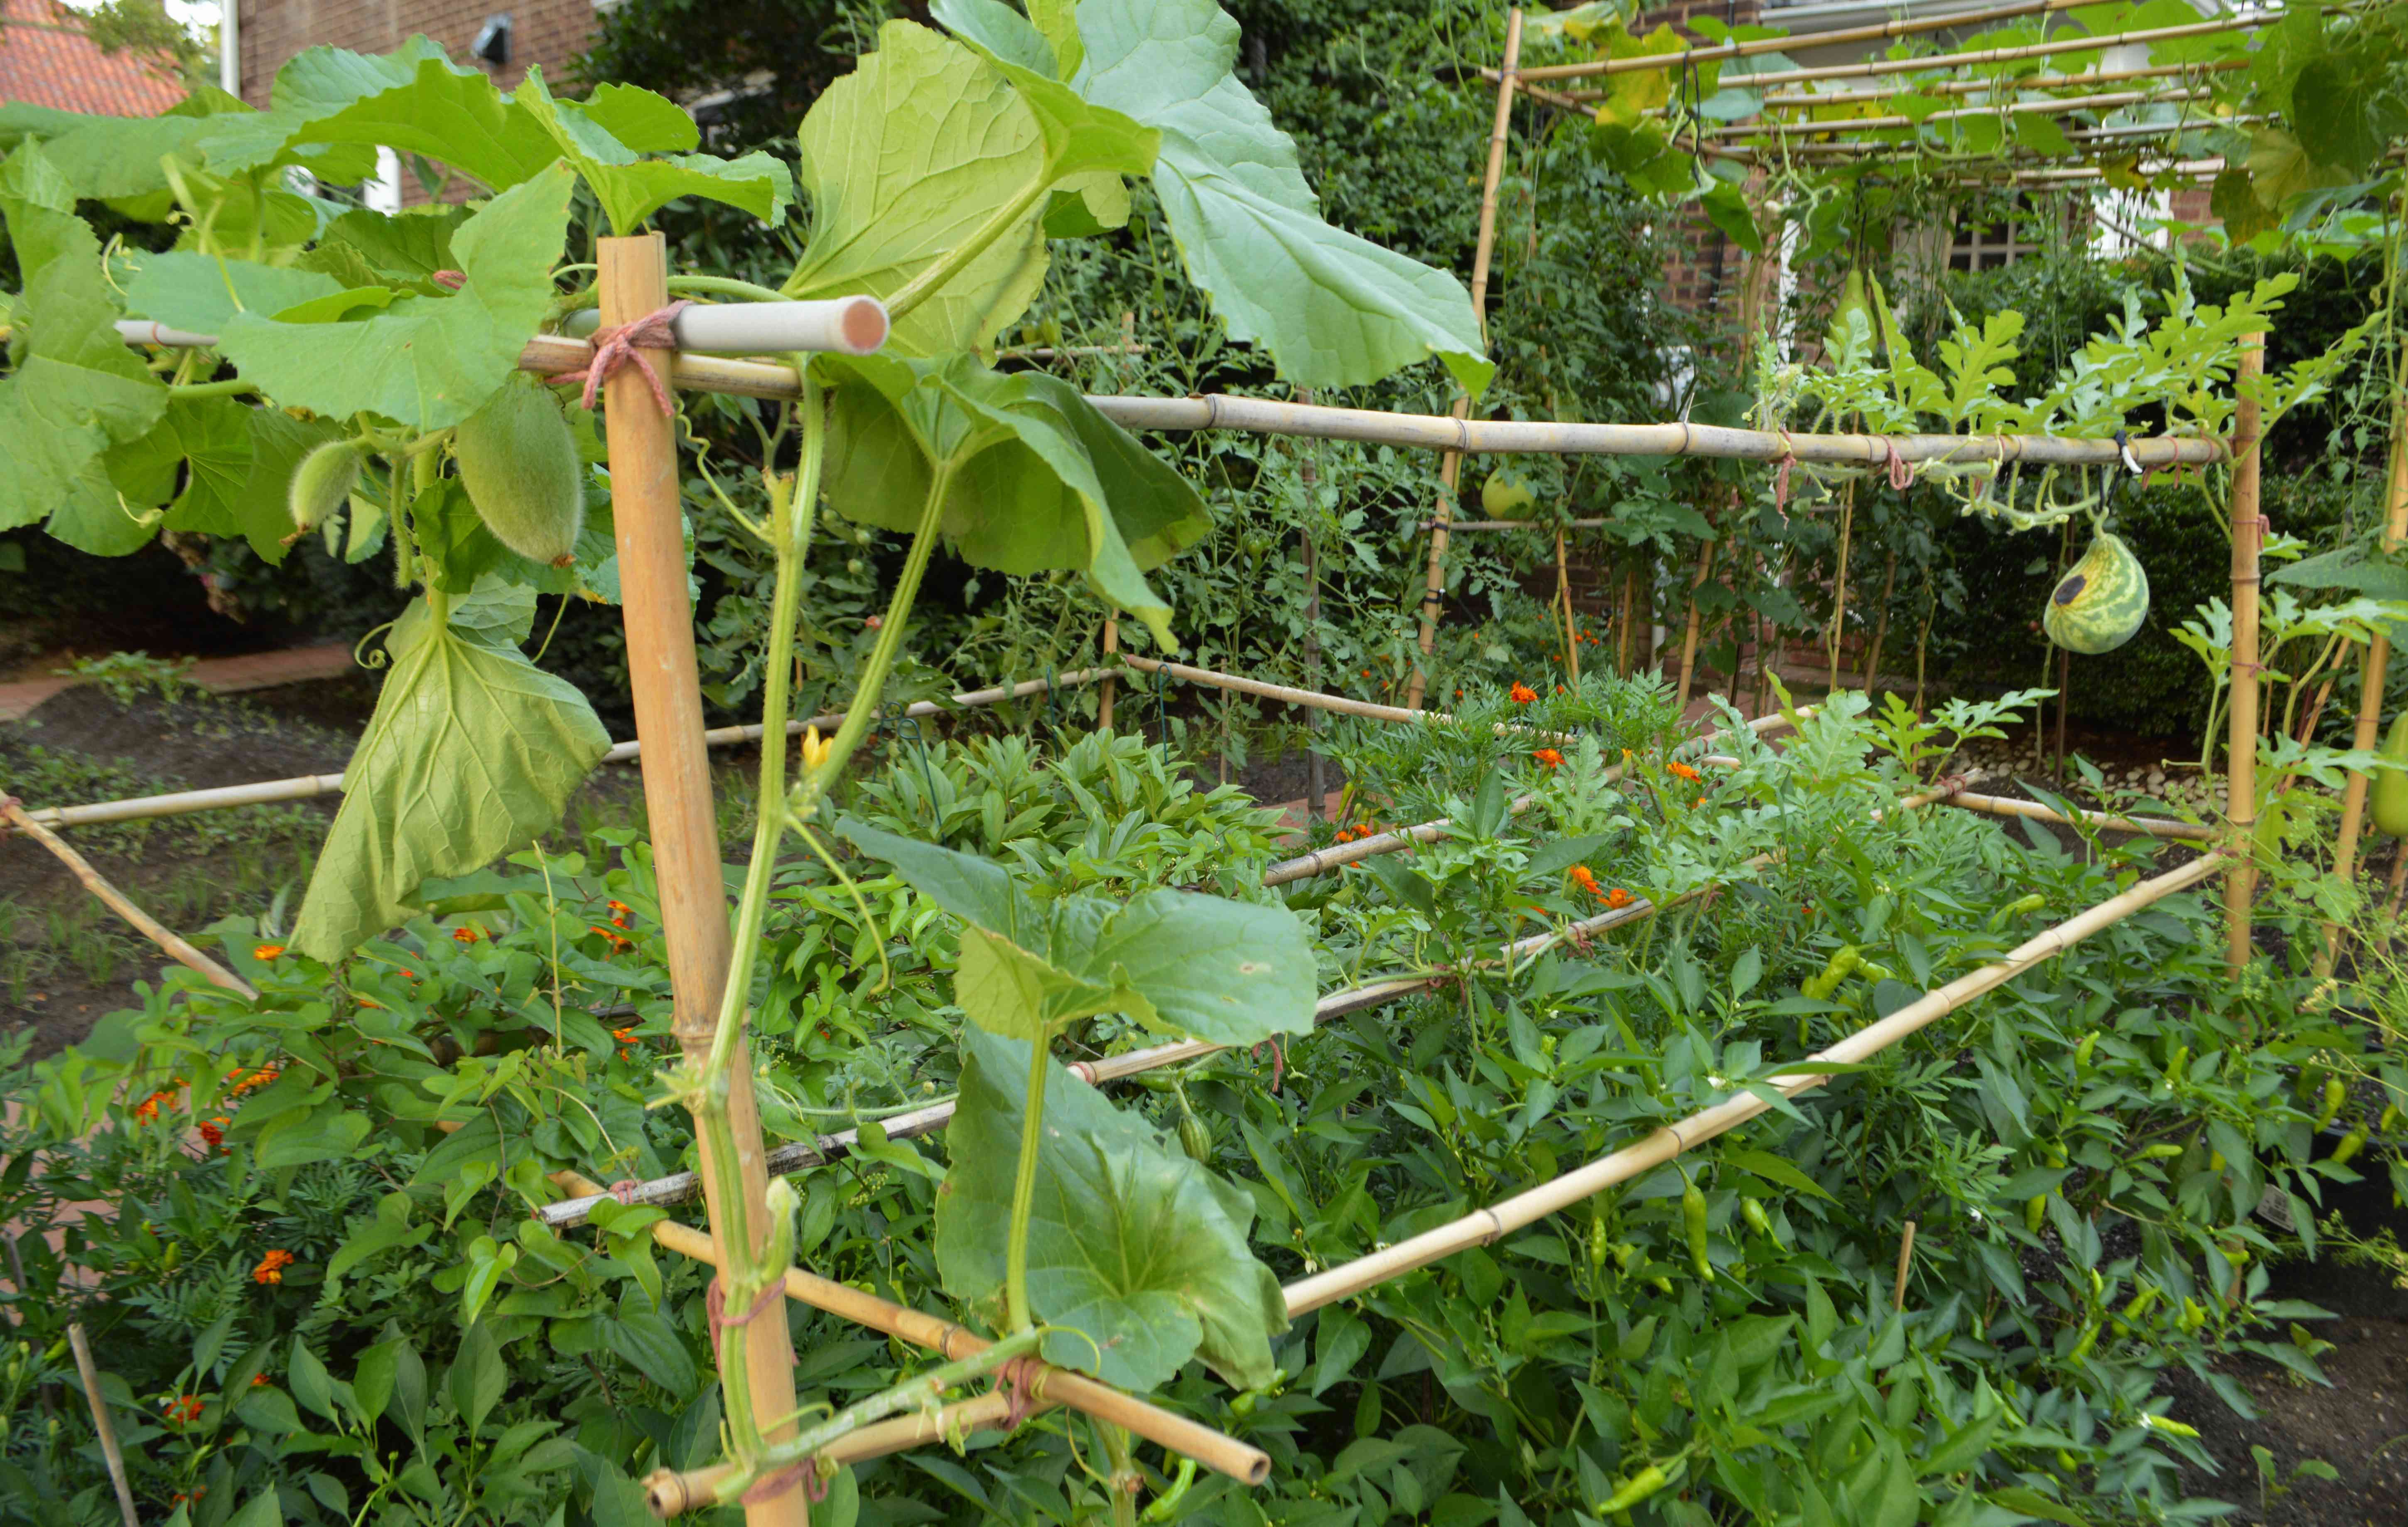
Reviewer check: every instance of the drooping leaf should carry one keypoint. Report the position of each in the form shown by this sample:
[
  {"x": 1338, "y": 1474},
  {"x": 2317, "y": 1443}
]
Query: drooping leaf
[
  {"x": 427, "y": 362},
  {"x": 903, "y": 160},
  {"x": 77, "y": 390},
  {"x": 314, "y": 86},
  {"x": 1081, "y": 138},
  {"x": 471, "y": 753},
  {"x": 1039, "y": 479},
  {"x": 632, "y": 189},
  {"x": 1136, "y": 1252},
  {"x": 1335, "y": 310},
  {"x": 1203, "y": 967},
  {"x": 414, "y": 100}
]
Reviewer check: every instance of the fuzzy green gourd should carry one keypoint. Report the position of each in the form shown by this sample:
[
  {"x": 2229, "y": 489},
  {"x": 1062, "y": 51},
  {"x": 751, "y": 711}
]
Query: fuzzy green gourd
[
  {"x": 518, "y": 460},
  {"x": 1507, "y": 495},
  {"x": 2102, "y": 601},
  {"x": 321, "y": 484},
  {"x": 2391, "y": 786}
]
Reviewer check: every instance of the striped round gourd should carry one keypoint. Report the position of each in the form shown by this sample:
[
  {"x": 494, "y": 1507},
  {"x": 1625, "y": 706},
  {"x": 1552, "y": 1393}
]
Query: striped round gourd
[{"x": 2101, "y": 602}]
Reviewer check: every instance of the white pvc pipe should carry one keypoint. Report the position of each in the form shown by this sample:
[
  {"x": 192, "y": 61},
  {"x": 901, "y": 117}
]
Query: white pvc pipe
[{"x": 846, "y": 325}]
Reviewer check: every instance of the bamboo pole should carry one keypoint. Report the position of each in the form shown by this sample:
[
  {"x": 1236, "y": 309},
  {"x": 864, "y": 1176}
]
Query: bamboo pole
[
  {"x": 2056, "y": 106},
  {"x": 1881, "y": 624},
  {"x": 2154, "y": 827},
  {"x": 1111, "y": 686},
  {"x": 1450, "y": 470},
  {"x": 302, "y": 788},
  {"x": 1905, "y": 1260},
  {"x": 2376, "y": 669},
  {"x": 109, "y": 1453},
  {"x": 1904, "y": 26},
  {"x": 1316, "y": 783},
  {"x": 1485, "y": 1226},
  {"x": 671, "y": 1493},
  {"x": 2240, "y": 765},
  {"x": 1689, "y": 635},
  {"x": 116, "y": 900},
  {"x": 1564, "y": 600},
  {"x": 1057, "y": 1386},
  {"x": 2073, "y": 43},
  {"x": 1991, "y": 84},
  {"x": 633, "y": 278},
  {"x": 1458, "y": 525},
  {"x": 1342, "y": 704}
]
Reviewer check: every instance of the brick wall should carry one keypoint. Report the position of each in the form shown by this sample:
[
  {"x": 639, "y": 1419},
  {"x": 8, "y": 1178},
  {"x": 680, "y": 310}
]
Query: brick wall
[{"x": 545, "y": 32}]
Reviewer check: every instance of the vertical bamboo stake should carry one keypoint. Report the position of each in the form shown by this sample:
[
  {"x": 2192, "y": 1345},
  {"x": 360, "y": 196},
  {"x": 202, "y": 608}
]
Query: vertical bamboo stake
[
  {"x": 1689, "y": 636},
  {"x": 1881, "y": 624},
  {"x": 634, "y": 281},
  {"x": 1905, "y": 1260},
  {"x": 1840, "y": 583},
  {"x": 1110, "y": 684},
  {"x": 1564, "y": 598},
  {"x": 1308, "y": 473},
  {"x": 2241, "y": 767},
  {"x": 1450, "y": 471},
  {"x": 2370, "y": 697},
  {"x": 2064, "y": 702},
  {"x": 109, "y": 1453}
]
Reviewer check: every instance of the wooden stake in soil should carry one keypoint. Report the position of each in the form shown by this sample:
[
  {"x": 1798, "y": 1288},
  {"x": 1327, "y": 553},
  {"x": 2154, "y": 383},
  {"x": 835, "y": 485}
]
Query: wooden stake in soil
[
  {"x": 2369, "y": 695},
  {"x": 116, "y": 900},
  {"x": 1111, "y": 686},
  {"x": 1564, "y": 598},
  {"x": 109, "y": 1453},
  {"x": 1689, "y": 636},
  {"x": 2241, "y": 767},
  {"x": 1451, "y": 469},
  {"x": 1905, "y": 1259},
  {"x": 659, "y": 619},
  {"x": 1308, "y": 474}
]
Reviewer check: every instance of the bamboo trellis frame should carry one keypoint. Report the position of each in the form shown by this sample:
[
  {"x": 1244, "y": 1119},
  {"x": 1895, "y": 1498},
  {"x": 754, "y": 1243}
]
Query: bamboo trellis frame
[
  {"x": 304, "y": 787},
  {"x": 1904, "y": 26},
  {"x": 2053, "y": 107},
  {"x": 2008, "y": 82}
]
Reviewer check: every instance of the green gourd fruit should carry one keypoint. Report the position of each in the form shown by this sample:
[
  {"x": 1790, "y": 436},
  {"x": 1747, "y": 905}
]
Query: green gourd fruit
[
  {"x": 2101, "y": 602},
  {"x": 2391, "y": 786},
  {"x": 1853, "y": 299},
  {"x": 518, "y": 460},
  {"x": 1507, "y": 495},
  {"x": 321, "y": 483}
]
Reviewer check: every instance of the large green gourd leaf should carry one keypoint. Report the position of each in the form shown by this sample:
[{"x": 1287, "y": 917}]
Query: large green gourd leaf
[
  {"x": 470, "y": 753},
  {"x": 904, "y": 159},
  {"x": 239, "y": 464},
  {"x": 75, "y": 391},
  {"x": 1334, "y": 311},
  {"x": 1040, "y": 479},
  {"x": 414, "y": 100},
  {"x": 631, "y": 189},
  {"x": 1139, "y": 1253},
  {"x": 1202, "y": 967},
  {"x": 188, "y": 289},
  {"x": 425, "y": 362}
]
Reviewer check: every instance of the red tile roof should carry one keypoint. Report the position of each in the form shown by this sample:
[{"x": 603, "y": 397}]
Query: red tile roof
[{"x": 46, "y": 58}]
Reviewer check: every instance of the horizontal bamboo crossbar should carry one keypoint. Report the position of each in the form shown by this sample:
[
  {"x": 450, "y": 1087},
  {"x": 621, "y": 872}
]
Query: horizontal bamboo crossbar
[
  {"x": 1904, "y": 26},
  {"x": 302, "y": 788},
  {"x": 1973, "y": 58},
  {"x": 2058, "y": 107},
  {"x": 176, "y": 947},
  {"x": 1054, "y": 1386},
  {"x": 1485, "y": 1226},
  {"x": 2010, "y": 82},
  {"x": 2154, "y": 827},
  {"x": 671, "y": 1493}
]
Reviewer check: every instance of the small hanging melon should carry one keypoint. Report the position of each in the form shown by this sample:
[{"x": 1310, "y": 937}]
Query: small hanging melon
[
  {"x": 2099, "y": 605},
  {"x": 1508, "y": 495},
  {"x": 2391, "y": 786}
]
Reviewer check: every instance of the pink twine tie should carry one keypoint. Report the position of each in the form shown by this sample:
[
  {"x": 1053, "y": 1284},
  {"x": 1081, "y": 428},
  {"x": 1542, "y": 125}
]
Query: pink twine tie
[
  {"x": 1902, "y": 476},
  {"x": 616, "y": 346}
]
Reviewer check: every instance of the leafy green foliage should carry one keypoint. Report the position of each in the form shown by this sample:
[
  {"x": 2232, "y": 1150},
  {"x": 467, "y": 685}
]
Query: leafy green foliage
[
  {"x": 471, "y": 752},
  {"x": 1137, "y": 1254}
]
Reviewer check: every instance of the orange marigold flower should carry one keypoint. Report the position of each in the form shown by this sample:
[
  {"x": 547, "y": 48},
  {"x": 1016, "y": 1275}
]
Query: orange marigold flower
[
  {"x": 1700, "y": 801},
  {"x": 873, "y": 622},
  {"x": 250, "y": 1081},
  {"x": 271, "y": 1267},
  {"x": 1586, "y": 877},
  {"x": 621, "y": 908},
  {"x": 1559, "y": 689},
  {"x": 1616, "y": 899},
  {"x": 259, "y": 1381},
  {"x": 1549, "y": 757},
  {"x": 183, "y": 1411},
  {"x": 266, "y": 951},
  {"x": 466, "y": 935},
  {"x": 148, "y": 1109},
  {"x": 1684, "y": 770},
  {"x": 1523, "y": 693},
  {"x": 213, "y": 1131},
  {"x": 618, "y": 940}
]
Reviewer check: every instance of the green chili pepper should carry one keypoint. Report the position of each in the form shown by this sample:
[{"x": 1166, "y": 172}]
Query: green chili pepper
[
  {"x": 2141, "y": 1301},
  {"x": 2160, "y": 1151},
  {"x": 1693, "y": 1213},
  {"x": 2389, "y": 1120},
  {"x": 1165, "y": 1505},
  {"x": 2336, "y": 1093},
  {"x": 2088, "y": 1047},
  {"x": 1598, "y": 1243},
  {"x": 1646, "y": 1482},
  {"x": 2016, "y": 909},
  {"x": 2172, "y": 1429},
  {"x": 2035, "y": 1210},
  {"x": 1758, "y": 1220},
  {"x": 2082, "y": 1349},
  {"x": 2351, "y": 1144}
]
